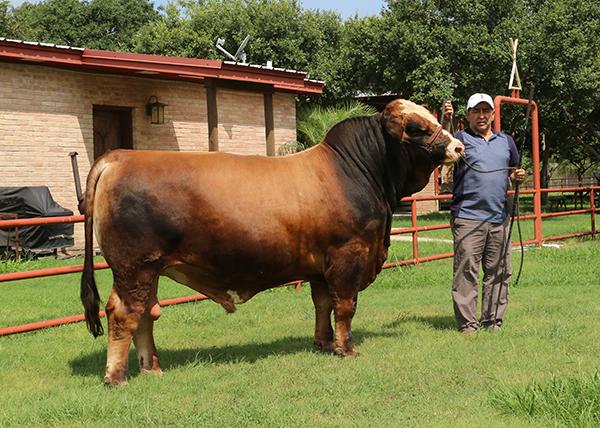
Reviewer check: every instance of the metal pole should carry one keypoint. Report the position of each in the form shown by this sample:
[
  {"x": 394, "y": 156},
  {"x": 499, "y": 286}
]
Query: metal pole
[
  {"x": 593, "y": 214},
  {"x": 78, "y": 191},
  {"x": 415, "y": 239},
  {"x": 535, "y": 157}
]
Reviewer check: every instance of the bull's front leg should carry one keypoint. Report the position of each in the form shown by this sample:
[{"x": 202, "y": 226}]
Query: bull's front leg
[
  {"x": 323, "y": 307},
  {"x": 344, "y": 308}
]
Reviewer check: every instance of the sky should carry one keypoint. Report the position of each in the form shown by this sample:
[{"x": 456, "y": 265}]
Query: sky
[{"x": 346, "y": 8}]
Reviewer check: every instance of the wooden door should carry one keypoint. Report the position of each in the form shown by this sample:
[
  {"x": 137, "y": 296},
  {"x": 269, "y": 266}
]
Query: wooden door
[{"x": 112, "y": 129}]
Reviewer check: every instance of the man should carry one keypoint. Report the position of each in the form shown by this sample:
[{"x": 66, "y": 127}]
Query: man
[{"x": 480, "y": 216}]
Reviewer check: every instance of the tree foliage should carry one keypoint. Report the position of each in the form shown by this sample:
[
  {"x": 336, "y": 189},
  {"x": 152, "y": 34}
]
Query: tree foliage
[
  {"x": 564, "y": 64},
  {"x": 6, "y": 21},
  {"x": 98, "y": 24}
]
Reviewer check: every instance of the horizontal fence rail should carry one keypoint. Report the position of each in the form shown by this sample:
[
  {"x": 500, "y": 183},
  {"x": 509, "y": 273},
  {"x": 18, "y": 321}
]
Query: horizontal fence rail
[
  {"x": 78, "y": 318},
  {"x": 414, "y": 230}
]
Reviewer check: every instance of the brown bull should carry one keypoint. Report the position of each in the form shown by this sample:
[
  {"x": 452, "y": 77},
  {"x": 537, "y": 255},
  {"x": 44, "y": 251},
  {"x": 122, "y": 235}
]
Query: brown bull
[{"x": 229, "y": 226}]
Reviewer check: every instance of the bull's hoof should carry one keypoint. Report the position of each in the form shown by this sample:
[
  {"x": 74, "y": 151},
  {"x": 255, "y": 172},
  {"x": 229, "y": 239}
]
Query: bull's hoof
[
  {"x": 326, "y": 347},
  {"x": 108, "y": 381},
  {"x": 349, "y": 352},
  {"x": 155, "y": 372}
]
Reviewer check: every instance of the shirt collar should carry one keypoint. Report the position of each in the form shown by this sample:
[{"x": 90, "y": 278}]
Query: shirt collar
[{"x": 469, "y": 131}]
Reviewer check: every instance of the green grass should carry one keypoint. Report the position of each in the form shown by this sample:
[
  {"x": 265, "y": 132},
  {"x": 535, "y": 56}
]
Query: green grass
[
  {"x": 569, "y": 402},
  {"x": 257, "y": 367}
]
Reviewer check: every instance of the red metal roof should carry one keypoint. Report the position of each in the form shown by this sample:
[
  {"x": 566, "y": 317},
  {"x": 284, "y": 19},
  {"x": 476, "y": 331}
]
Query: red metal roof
[{"x": 156, "y": 66}]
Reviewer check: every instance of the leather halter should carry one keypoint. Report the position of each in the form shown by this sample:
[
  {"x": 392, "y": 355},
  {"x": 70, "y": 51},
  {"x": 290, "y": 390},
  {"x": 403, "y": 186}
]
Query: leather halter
[
  {"x": 427, "y": 146},
  {"x": 435, "y": 134}
]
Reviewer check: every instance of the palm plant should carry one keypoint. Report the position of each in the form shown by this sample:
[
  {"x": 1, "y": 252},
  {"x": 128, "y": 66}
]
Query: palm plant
[{"x": 313, "y": 122}]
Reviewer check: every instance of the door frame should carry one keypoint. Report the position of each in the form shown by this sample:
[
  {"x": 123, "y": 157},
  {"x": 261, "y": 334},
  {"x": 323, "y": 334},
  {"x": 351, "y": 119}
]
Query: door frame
[{"x": 126, "y": 119}]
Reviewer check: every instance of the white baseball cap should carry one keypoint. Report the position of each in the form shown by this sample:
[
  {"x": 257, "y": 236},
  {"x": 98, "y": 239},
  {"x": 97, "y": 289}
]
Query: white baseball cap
[{"x": 480, "y": 98}]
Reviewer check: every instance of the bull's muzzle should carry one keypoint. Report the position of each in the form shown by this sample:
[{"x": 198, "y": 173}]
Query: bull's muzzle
[{"x": 454, "y": 151}]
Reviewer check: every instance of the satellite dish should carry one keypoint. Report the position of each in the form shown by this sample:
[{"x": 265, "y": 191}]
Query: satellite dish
[
  {"x": 239, "y": 55},
  {"x": 240, "y": 52}
]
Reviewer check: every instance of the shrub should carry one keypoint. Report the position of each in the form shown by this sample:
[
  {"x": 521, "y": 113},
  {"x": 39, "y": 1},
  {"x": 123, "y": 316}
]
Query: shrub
[{"x": 314, "y": 122}]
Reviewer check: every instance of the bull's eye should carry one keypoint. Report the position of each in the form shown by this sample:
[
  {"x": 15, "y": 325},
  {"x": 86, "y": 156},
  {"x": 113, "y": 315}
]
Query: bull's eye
[
  {"x": 415, "y": 127},
  {"x": 415, "y": 131}
]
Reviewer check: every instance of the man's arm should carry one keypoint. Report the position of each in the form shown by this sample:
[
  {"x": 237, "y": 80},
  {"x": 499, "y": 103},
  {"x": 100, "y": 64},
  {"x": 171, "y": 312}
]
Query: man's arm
[{"x": 447, "y": 115}]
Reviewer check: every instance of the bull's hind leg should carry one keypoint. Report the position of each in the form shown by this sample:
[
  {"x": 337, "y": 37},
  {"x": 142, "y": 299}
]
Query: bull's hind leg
[
  {"x": 122, "y": 322},
  {"x": 323, "y": 307},
  {"x": 143, "y": 337},
  {"x": 125, "y": 309}
]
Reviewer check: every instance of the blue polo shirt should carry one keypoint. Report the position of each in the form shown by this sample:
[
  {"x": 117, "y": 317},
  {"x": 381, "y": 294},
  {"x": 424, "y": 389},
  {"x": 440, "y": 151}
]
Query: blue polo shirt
[{"x": 482, "y": 196}]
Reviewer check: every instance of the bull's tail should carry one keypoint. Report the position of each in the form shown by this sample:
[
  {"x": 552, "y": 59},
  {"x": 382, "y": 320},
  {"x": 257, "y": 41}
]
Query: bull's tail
[{"x": 89, "y": 292}]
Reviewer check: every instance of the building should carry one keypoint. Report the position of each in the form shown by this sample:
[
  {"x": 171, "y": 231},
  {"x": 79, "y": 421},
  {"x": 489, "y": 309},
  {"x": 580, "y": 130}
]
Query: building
[{"x": 59, "y": 99}]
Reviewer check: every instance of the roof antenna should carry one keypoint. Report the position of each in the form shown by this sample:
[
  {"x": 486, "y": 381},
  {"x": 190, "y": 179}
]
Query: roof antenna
[
  {"x": 240, "y": 53},
  {"x": 515, "y": 81}
]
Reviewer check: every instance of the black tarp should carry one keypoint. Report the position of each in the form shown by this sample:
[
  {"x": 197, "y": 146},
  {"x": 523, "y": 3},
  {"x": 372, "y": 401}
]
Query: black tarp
[{"x": 28, "y": 202}]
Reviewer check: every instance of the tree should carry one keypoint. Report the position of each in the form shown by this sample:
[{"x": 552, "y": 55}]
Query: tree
[
  {"x": 112, "y": 24},
  {"x": 362, "y": 48},
  {"x": 6, "y": 19},
  {"x": 100, "y": 24},
  {"x": 432, "y": 50},
  {"x": 52, "y": 21},
  {"x": 562, "y": 51}
]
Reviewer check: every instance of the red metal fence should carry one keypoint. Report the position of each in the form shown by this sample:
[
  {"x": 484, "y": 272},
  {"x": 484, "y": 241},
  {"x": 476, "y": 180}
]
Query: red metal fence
[{"x": 414, "y": 230}]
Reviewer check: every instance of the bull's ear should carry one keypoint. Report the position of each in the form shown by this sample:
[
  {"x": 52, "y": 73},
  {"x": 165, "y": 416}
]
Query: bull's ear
[{"x": 393, "y": 120}]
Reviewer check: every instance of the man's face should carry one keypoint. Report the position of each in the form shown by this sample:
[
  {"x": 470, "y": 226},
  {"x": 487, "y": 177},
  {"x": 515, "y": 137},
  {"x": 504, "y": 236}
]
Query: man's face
[{"x": 480, "y": 118}]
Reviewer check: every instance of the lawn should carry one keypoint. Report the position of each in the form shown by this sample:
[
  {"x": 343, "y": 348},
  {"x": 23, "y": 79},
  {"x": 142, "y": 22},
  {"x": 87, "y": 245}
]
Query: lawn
[{"x": 257, "y": 367}]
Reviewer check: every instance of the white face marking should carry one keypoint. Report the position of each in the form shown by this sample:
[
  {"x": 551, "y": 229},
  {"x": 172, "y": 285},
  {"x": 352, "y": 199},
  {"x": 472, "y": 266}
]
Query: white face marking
[
  {"x": 235, "y": 297},
  {"x": 409, "y": 107},
  {"x": 453, "y": 151}
]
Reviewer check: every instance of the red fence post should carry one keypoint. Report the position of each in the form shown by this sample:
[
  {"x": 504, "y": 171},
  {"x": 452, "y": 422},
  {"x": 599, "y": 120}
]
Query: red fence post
[
  {"x": 415, "y": 238},
  {"x": 535, "y": 157}
]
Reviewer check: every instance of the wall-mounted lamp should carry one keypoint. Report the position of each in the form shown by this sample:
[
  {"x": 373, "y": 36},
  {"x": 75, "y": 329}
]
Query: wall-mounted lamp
[{"x": 156, "y": 110}]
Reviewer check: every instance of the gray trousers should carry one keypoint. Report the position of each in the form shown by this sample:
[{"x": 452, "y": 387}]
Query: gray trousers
[{"x": 480, "y": 243}]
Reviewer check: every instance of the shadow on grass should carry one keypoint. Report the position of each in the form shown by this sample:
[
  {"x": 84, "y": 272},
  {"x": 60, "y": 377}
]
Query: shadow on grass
[
  {"x": 437, "y": 322},
  {"x": 93, "y": 364}
]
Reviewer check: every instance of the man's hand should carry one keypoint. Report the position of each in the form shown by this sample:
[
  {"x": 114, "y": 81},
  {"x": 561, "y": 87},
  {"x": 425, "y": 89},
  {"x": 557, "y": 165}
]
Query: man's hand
[
  {"x": 447, "y": 114},
  {"x": 518, "y": 175}
]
